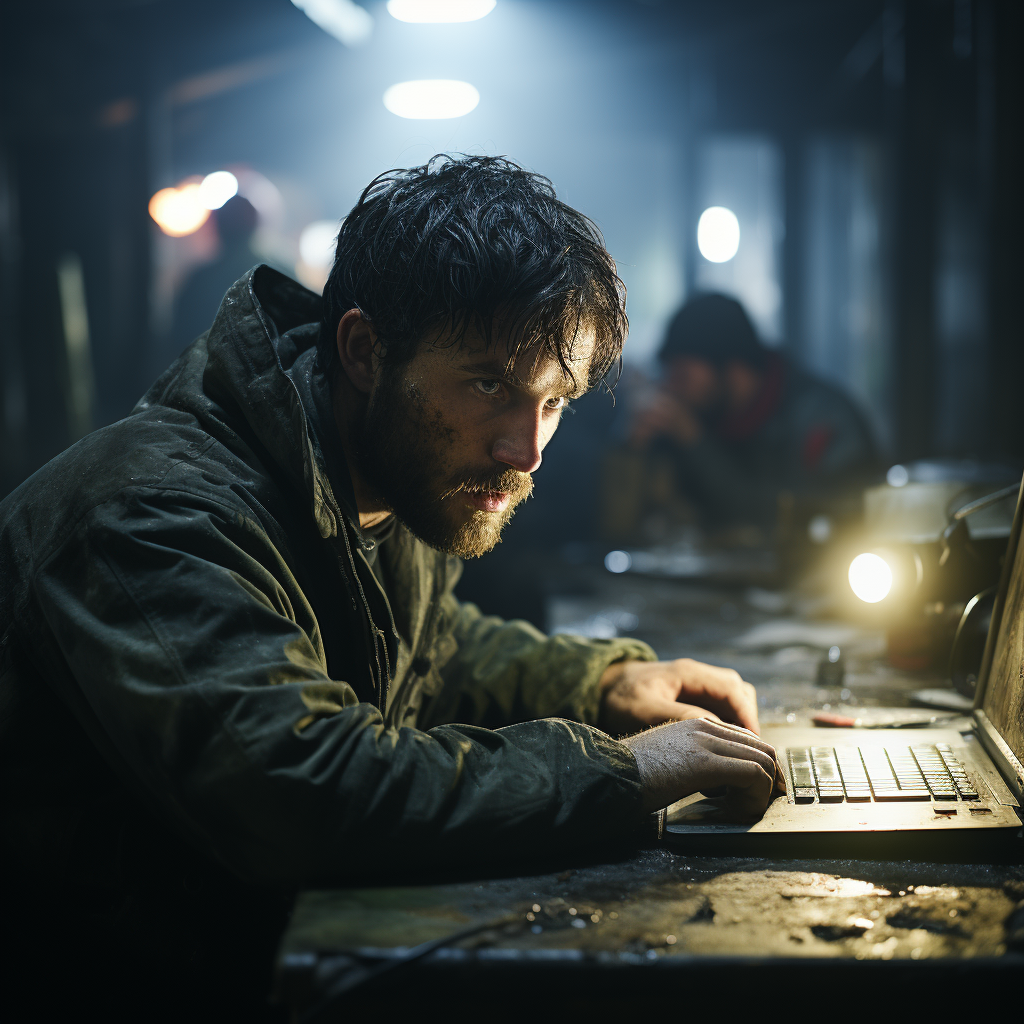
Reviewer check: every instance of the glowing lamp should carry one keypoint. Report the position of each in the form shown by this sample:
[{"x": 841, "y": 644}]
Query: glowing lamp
[
  {"x": 718, "y": 234},
  {"x": 617, "y": 561},
  {"x": 440, "y": 10},
  {"x": 870, "y": 577},
  {"x": 431, "y": 98},
  {"x": 217, "y": 188},
  {"x": 179, "y": 211}
]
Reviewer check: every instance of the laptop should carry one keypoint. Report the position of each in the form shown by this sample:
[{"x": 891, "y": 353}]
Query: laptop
[{"x": 872, "y": 791}]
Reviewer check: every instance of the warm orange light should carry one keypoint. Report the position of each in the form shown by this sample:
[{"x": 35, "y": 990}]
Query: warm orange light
[{"x": 179, "y": 211}]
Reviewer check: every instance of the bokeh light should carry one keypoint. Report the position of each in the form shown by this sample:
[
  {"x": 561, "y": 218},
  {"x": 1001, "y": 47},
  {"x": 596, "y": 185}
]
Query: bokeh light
[
  {"x": 617, "y": 561},
  {"x": 897, "y": 476},
  {"x": 439, "y": 10},
  {"x": 431, "y": 98},
  {"x": 179, "y": 211},
  {"x": 718, "y": 234},
  {"x": 317, "y": 242},
  {"x": 217, "y": 188},
  {"x": 870, "y": 577}
]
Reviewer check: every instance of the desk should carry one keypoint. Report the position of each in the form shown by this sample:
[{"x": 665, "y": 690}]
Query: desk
[{"x": 658, "y": 922}]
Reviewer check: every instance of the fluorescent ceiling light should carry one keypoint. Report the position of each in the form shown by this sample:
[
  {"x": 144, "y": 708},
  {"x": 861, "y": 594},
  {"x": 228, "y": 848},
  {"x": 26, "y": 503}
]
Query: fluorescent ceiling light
[
  {"x": 439, "y": 10},
  {"x": 431, "y": 98},
  {"x": 718, "y": 234},
  {"x": 346, "y": 21}
]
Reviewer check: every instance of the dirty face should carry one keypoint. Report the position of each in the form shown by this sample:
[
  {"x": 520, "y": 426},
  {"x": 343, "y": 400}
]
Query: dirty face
[
  {"x": 695, "y": 381},
  {"x": 451, "y": 438}
]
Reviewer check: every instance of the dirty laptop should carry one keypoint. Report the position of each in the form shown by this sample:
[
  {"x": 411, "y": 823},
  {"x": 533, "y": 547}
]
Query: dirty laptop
[{"x": 871, "y": 791}]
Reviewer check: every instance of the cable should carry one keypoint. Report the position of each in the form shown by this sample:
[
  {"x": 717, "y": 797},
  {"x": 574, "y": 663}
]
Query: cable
[{"x": 356, "y": 977}]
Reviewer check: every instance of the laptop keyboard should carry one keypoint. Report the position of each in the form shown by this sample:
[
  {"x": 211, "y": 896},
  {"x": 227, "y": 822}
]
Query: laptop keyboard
[{"x": 858, "y": 774}]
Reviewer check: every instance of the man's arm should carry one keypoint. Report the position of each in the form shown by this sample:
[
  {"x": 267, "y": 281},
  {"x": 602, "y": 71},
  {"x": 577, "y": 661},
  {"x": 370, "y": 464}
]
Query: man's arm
[
  {"x": 173, "y": 630},
  {"x": 501, "y": 672}
]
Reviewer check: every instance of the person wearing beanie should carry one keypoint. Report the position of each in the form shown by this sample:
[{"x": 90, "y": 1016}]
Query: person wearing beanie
[{"x": 743, "y": 422}]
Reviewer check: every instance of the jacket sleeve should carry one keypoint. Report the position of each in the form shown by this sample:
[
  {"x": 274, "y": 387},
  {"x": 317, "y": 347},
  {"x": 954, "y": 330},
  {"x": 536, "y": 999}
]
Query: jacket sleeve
[
  {"x": 502, "y": 672},
  {"x": 189, "y": 659}
]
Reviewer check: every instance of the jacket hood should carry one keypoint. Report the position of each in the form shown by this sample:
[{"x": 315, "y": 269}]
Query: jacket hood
[{"x": 261, "y": 357}]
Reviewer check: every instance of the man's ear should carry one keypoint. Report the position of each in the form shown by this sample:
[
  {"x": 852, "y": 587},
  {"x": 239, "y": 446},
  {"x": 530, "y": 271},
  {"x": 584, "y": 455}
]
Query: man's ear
[{"x": 356, "y": 341}]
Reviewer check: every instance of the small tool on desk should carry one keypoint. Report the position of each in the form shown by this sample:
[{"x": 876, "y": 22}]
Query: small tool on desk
[{"x": 831, "y": 720}]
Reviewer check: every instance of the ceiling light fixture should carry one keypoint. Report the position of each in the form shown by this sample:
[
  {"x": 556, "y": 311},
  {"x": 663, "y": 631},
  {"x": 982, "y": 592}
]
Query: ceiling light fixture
[
  {"x": 718, "y": 234},
  {"x": 346, "y": 21},
  {"x": 431, "y": 98},
  {"x": 439, "y": 10}
]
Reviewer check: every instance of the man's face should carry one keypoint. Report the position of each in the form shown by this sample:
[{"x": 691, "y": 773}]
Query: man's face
[
  {"x": 450, "y": 439},
  {"x": 695, "y": 381}
]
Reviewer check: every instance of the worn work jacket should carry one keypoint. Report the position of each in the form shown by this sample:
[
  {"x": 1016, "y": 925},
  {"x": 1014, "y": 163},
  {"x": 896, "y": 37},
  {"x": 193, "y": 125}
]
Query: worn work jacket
[{"x": 190, "y": 625}]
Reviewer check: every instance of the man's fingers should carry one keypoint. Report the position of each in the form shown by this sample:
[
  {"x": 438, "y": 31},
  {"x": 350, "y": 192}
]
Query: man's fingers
[
  {"x": 672, "y": 711},
  {"x": 743, "y": 702},
  {"x": 721, "y": 689},
  {"x": 776, "y": 771},
  {"x": 737, "y": 751},
  {"x": 678, "y": 758},
  {"x": 749, "y": 786},
  {"x": 727, "y": 730}
]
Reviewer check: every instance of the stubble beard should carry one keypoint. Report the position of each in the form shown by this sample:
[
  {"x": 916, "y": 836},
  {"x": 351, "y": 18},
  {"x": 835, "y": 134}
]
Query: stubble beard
[{"x": 404, "y": 453}]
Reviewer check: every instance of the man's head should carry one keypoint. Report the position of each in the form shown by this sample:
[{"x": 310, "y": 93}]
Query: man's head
[
  {"x": 710, "y": 351},
  {"x": 465, "y": 306}
]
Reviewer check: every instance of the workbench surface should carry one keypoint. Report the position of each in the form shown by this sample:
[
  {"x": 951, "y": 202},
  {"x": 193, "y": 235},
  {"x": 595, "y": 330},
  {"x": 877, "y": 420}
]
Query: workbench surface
[{"x": 655, "y": 916}]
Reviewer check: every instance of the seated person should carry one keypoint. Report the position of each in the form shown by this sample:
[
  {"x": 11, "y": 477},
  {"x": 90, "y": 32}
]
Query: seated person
[
  {"x": 232, "y": 664},
  {"x": 743, "y": 422}
]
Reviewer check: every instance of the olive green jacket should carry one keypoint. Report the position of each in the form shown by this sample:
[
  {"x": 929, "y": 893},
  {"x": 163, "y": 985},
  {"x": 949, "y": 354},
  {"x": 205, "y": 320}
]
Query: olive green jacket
[{"x": 189, "y": 623}]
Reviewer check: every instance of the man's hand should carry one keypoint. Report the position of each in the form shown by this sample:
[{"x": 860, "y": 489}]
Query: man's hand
[
  {"x": 701, "y": 756},
  {"x": 665, "y": 415},
  {"x": 642, "y": 693}
]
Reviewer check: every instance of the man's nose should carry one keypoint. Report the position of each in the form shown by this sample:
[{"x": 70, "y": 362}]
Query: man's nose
[{"x": 521, "y": 442}]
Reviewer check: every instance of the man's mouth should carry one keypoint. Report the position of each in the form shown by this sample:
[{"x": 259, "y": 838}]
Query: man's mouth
[{"x": 487, "y": 500}]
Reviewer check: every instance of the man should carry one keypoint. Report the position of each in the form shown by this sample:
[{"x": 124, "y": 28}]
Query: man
[
  {"x": 196, "y": 302},
  {"x": 231, "y": 649},
  {"x": 744, "y": 423}
]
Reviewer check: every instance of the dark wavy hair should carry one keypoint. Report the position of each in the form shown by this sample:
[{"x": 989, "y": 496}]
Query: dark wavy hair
[{"x": 468, "y": 243}]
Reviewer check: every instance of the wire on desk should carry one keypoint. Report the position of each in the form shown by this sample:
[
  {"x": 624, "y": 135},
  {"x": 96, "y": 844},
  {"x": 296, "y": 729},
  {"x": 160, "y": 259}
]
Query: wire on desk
[{"x": 356, "y": 977}]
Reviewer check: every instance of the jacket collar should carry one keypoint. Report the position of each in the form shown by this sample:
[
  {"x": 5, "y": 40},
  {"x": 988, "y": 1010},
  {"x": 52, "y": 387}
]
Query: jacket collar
[{"x": 262, "y": 349}]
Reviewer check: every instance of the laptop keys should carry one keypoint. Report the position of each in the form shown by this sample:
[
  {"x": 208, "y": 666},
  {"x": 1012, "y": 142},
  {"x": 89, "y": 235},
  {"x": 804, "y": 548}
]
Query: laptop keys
[
  {"x": 952, "y": 764},
  {"x": 855, "y": 779},
  {"x": 826, "y": 771},
  {"x": 804, "y": 790},
  {"x": 886, "y": 774}
]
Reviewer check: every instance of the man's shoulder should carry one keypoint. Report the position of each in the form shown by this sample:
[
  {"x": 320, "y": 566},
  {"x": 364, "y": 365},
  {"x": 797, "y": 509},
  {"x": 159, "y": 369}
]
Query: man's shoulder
[{"x": 155, "y": 450}]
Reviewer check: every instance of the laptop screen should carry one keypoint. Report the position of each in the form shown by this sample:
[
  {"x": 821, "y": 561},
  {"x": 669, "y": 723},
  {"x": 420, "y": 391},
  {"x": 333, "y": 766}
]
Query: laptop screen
[{"x": 1003, "y": 697}]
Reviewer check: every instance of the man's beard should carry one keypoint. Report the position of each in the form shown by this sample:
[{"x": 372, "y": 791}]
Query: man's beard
[{"x": 404, "y": 454}]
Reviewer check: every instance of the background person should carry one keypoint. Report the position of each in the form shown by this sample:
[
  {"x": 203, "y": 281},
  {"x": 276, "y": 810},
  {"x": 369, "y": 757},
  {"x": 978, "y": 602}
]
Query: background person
[{"x": 743, "y": 422}]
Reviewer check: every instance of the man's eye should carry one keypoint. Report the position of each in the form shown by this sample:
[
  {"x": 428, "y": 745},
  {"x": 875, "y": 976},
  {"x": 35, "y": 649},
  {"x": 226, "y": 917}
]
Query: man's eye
[
  {"x": 554, "y": 404},
  {"x": 489, "y": 387}
]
